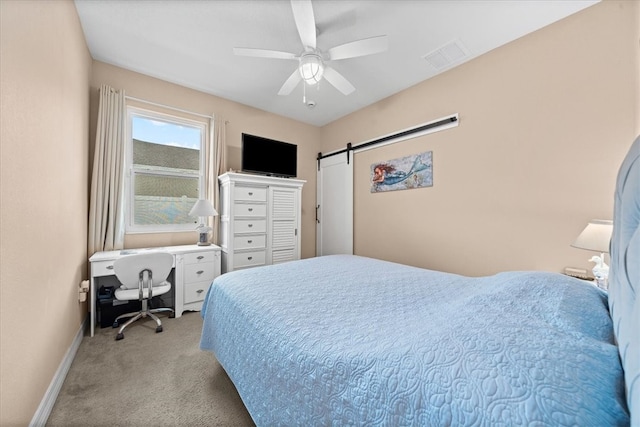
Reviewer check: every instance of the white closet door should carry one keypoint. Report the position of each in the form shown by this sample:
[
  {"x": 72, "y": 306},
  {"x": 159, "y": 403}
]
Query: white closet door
[{"x": 334, "y": 213}]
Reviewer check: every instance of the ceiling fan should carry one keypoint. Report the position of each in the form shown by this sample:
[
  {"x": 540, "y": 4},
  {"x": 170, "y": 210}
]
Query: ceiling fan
[{"x": 312, "y": 62}]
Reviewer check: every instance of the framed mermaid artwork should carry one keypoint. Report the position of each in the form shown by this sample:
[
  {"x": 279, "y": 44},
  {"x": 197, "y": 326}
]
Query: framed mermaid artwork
[{"x": 415, "y": 171}]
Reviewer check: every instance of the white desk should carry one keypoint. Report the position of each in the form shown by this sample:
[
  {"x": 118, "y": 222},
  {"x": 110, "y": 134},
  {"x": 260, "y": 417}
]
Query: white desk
[{"x": 195, "y": 268}]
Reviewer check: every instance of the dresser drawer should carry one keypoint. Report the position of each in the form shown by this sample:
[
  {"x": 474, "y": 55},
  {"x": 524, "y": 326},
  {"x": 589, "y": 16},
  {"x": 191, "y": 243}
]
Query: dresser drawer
[
  {"x": 199, "y": 272},
  {"x": 248, "y": 259},
  {"x": 199, "y": 257},
  {"x": 194, "y": 292},
  {"x": 102, "y": 268},
  {"x": 251, "y": 209},
  {"x": 257, "y": 194},
  {"x": 250, "y": 225},
  {"x": 250, "y": 242}
]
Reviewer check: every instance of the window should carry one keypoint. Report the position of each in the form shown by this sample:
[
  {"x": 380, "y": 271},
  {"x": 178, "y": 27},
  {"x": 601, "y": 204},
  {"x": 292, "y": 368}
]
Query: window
[{"x": 165, "y": 168}]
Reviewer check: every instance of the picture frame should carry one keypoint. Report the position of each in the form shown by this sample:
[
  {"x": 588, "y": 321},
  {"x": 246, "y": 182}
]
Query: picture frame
[{"x": 410, "y": 172}]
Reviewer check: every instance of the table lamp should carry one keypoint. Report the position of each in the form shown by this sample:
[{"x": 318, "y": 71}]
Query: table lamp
[
  {"x": 595, "y": 237},
  {"x": 203, "y": 208}
]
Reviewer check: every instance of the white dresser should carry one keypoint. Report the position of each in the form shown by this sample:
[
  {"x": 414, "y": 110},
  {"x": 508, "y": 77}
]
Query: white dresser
[{"x": 259, "y": 220}]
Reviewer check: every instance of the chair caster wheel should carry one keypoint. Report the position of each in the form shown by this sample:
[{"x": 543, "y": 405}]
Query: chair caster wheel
[
  {"x": 119, "y": 337},
  {"x": 158, "y": 329},
  {"x": 115, "y": 325},
  {"x": 172, "y": 316}
]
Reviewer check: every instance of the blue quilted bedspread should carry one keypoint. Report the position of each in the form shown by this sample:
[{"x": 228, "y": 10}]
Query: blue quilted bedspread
[{"x": 347, "y": 340}]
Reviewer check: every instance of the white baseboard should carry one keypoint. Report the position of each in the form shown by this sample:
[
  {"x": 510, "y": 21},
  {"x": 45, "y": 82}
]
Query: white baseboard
[{"x": 46, "y": 405}]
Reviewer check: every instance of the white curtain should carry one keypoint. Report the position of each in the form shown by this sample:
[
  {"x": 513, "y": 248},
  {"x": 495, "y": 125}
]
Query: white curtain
[
  {"x": 106, "y": 209},
  {"x": 215, "y": 165}
]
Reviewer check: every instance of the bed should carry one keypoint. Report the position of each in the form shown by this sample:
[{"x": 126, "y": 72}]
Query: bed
[{"x": 349, "y": 340}]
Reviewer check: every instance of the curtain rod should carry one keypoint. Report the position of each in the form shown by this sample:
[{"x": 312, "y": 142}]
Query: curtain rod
[
  {"x": 170, "y": 107},
  {"x": 402, "y": 134}
]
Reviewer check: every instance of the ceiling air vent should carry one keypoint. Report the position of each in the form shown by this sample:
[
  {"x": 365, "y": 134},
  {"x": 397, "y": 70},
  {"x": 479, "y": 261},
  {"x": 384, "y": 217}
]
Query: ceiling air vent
[{"x": 447, "y": 55}]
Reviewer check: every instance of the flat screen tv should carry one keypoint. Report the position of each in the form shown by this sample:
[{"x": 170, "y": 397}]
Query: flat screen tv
[{"x": 268, "y": 157}]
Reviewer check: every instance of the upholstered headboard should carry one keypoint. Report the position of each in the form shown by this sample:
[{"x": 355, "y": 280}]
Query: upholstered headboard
[{"x": 624, "y": 279}]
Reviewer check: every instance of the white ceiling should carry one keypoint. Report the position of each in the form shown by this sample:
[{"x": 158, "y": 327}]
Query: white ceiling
[{"x": 191, "y": 43}]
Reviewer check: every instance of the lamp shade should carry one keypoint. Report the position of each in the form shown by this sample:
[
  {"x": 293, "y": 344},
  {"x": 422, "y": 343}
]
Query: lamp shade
[
  {"x": 595, "y": 236},
  {"x": 203, "y": 207}
]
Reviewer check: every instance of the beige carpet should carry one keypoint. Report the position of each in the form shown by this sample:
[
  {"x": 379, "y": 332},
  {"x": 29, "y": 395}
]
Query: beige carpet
[{"x": 148, "y": 379}]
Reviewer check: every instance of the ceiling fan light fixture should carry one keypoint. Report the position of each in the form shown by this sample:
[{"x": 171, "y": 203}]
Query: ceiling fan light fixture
[{"x": 311, "y": 68}]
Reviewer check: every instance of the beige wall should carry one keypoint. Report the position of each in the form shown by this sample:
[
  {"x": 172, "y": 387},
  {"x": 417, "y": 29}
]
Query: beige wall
[
  {"x": 44, "y": 104},
  {"x": 241, "y": 118},
  {"x": 544, "y": 124}
]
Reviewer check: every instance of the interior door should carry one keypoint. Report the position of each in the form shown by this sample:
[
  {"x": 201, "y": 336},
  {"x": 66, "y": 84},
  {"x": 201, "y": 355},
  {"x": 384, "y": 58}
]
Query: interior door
[{"x": 334, "y": 205}]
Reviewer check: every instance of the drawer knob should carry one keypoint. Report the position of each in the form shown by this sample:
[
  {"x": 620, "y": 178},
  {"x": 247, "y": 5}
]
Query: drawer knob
[
  {"x": 250, "y": 193},
  {"x": 250, "y": 225},
  {"x": 199, "y": 291},
  {"x": 250, "y": 209},
  {"x": 249, "y": 241},
  {"x": 201, "y": 256},
  {"x": 249, "y": 258},
  {"x": 110, "y": 267},
  {"x": 200, "y": 272}
]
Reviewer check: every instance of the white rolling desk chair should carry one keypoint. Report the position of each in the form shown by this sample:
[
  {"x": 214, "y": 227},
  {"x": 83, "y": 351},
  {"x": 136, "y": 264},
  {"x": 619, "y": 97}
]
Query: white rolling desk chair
[{"x": 141, "y": 277}]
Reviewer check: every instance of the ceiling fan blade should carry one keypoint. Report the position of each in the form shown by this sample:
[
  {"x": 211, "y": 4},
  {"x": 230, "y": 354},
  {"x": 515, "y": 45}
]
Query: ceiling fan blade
[
  {"x": 291, "y": 83},
  {"x": 338, "y": 81},
  {"x": 305, "y": 22},
  {"x": 263, "y": 53},
  {"x": 359, "y": 48}
]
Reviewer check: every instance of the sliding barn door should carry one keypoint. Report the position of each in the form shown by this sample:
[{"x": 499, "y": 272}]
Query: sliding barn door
[{"x": 334, "y": 206}]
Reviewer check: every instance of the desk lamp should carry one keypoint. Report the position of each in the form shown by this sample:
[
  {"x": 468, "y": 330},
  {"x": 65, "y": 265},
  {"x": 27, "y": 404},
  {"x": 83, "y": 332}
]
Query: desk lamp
[
  {"x": 595, "y": 237},
  {"x": 203, "y": 208}
]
